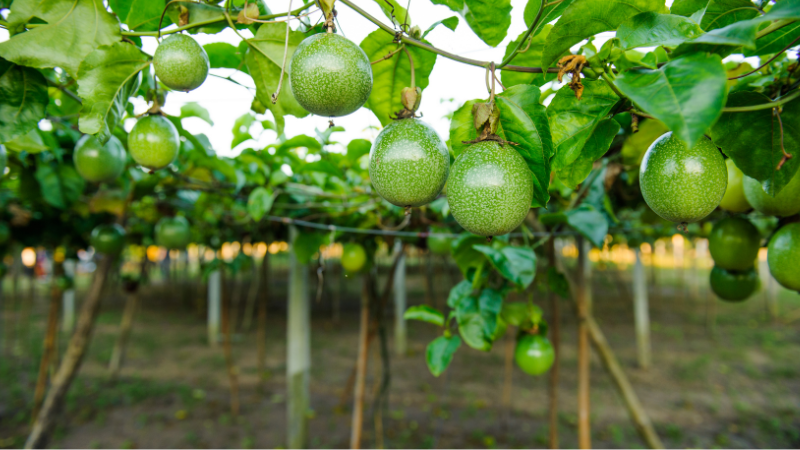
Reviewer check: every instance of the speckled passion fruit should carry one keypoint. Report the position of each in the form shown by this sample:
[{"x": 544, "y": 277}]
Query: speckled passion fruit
[
  {"x": 733, "y": 286},
  {"x": 734, "y": 243},
  {"x": 408, "y": 163},
  {"x": 153, "y": 142},
  {"x": 330, "y": 75},
  {"x": 490, "y": 189},
  {"x": 783, "y": 256},
  {"x": 181, "y": 63},
  {"x": 99, "y": 163},
  {"x": 173, "y": 233},
  {"x": 734, "y": 199},
  {"x": 108, "y": 239},
  {"x": 534, "y": 354},
  {"x": 785, "y": 203},
  {"x": 682, "y": 184}
]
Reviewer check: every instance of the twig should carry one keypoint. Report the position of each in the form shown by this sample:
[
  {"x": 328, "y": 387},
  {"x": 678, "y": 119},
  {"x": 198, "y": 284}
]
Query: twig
[
  {"x": 786, "y": 156},
  {"x": 524, "y": 38},
  {"x": 388, "y": 55},
  {"x": 411, "y": 64},
  {"x": 768, "y": 61},
  {"x": 285, "y": 54}
]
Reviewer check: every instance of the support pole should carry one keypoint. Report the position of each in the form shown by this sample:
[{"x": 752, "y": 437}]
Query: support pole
[
  {"x": 555, "y": 336},
  {"x": 361, "y": 369},
  {"x": 298, "y": 352},
  {"x": 400, "y": 334},
  {"x": 68, "y": 300},
  {"x": 214, "y": 295},
  {"x": 641, "y": 312},
  {"x": 583, "y": 298}
]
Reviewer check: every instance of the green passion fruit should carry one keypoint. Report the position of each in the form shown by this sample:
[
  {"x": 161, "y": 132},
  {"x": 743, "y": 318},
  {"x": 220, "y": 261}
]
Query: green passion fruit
[
  {"x": 330, "y": 75},
  {"x": 108, "y": 239},
  {"x": 682, "y": 184},
  {"x": 783, "y": 256},
  {"x": 490, "y": 189},
  {"x": 408, "y": 163},
  {"x": 733, "y": 286},
  {"x": 354, "y": 257},
  {"x": 153, "y": 142},
  {"x": 734, "y": 243},
  {"x": 181, "y": 63},
  {"x": 785, "y": 203},
  {"x": 534, "y": 354},
  {"x": 734, "y": 199},
  {"x": 98, "y": 163},
  {"x": 173, "y": 233}
]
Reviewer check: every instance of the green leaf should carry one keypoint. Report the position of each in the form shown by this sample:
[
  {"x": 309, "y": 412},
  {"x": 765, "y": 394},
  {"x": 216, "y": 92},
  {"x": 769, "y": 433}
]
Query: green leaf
[
  {"x": 516, "y": 314},
  {"x": 322, "y": 166},
  {"x": 23, "y": 99},
  {"x": 440, "y": 353},
  {"x": 551, "y": 11},
  {"x": 515, "y": 264},
  {"x": 193, "y": 109},
  {"x": 301, "y": 141},
  {"x": 590, "y": 223},
  {"x": 477, "y": 318},
  {"x": 596, "y": 146},
  {"x": 650, "y": 29},
  {"x": 721, "y": 13},
  {"x": 357, "y": 148},
  {"x": 687, "y": 94},
  {"x": 572, "y": 121},
  {"x": 394, "y": 11},
  {"x": 450, "y": 22},
  {"x": 532, "y": 57},
  {"x": 557, "y": 282},
  {"x": 687, "y": 7},
  {"x": 61, "y": 185},
  {"x": 752, "y": 139},
  {"x": 721, "y": 41},
  {"x": 264, "y": 59},
  {"x": 306, "y": 245},
  {"x": 259, "y": 203},
  {"x": 462, "y": 128},
  {"x": 106, "y": 79},
  {"x": 775, "y": 41},
  {"x": 783, "y": 10},
  {"x": 201, "y": 12},
  {"x": 489, "y": 19},
  {"x": 390, "y": 76},
  {"x": 30, "y": 142},
  {"x": 459, "y": 292},
  {"x": 144, "y": 15},
  {"x": 585, "y": 18},
  {"x": 74, "y": 29},
  {"x": 425, "y": 313},
  {"x": 524, "y": 121},
  {"x": 222, "y": 55},
  {"x": 465, "y": 256}
]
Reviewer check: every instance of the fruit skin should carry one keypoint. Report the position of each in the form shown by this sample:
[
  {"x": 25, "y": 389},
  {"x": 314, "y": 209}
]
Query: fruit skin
[
  {"x": 734, "y": 244},
  {"x": 490, "y": 189},
  {"x": 733, "y": 286},
  {"x": 734, "y": 199},
  {"x": 439, "y": 245},
  {"x": 408, "y": 163},
  {"x": 173, "y": 233},
  {"x": 181, "y": 63},
  {"x": 153, "y": 142},
  {"x": 682, "y": 184},
  {"x": 108, "y": 239},
  {"x": 354, "y": 257},
  {"x": 534, "y": 354},
  {"x": 786, "y": 203},
  {"x": 330, "y": 75},
  {"x": 99, "y": 163},
  {"x": 783, "y": 256}
]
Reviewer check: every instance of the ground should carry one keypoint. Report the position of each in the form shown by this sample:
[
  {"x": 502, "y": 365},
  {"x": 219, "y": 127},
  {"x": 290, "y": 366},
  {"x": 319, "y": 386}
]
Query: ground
[{"x": 729, "y": 382}]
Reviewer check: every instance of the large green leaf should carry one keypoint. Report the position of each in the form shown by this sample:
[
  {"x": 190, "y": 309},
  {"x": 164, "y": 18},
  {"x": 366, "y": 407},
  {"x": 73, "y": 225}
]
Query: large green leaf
[
  {"x": 489, "y": 19},
  {"x": 515, "y": 264},
  {"x": 477, "y": 318},
  {"x": 465, "y": 256},
  {"x": 194, "y": 109},
  {"x": 590, "y": 223},
  {"x": 687, "y": 7},
  {"x": 524, "y": 121},
  {"x": 144, "y": 15},
  {"x": 462, "y": 128},
  {"x": 775, "y": 41},
  {"x": 259, "y": 202},
  {"x": 307, "y": 244},
  {"x": 30, "y": 142},
  {"x": 585, "y": 18},
  {"x": 721, "y": 13},
  {"x": 425, "y": 313},
  {"x": 572, "y": 121},
  {"x": 450, "y": 22},
  {"x": 390, "y": 76},
  {"x": 60, "y": 184},
  {"x": 225, "y": 55},
  {"x": 721, "y": 41},
  {"x": 650, "y": 29},
  {"x": 201, "y": 12},
  {"x": 531, "y": 57},
  {"x": 23, "y": 99},
  {"x": 74, "y": 29},
  {"x": 595, "y": 147},
  {"x": 394, "y": 11},
  {"x": 687, "y": 93},
  {"x": 264, "y": 59},
  {"x": 459, "y": 292},
  {"x": 552, "y": 10},
  {"x": 440, "y": 353},
  {"x": 752, "y": 139},
  {"x": 106, "y": 79}
]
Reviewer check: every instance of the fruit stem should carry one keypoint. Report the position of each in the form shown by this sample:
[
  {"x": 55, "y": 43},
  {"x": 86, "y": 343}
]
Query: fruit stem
[
  {"x": 411, "y": 65},
  {"x": 285, "y": 54}
]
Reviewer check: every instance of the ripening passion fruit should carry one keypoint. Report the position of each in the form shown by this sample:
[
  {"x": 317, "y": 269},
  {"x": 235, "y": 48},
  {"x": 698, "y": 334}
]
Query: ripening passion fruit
[
  {"x": 490, "y": 189},
  {"x": 181, "y": 63},
  {"x": 408, "y": 163},
  {"x": 108, "y": 239},
  {"x": 153, "y": 142},
  {"x": 330, "y": 75},
  {"x": 98, "y": 163}
]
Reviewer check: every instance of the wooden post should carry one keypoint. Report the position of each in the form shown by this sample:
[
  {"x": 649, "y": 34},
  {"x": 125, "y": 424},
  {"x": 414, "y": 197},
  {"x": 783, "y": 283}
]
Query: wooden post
[
  {"x": 214, "y": 294},
  {"x": 252, "y": 297},
  {"x": 641, "y": 312},
  {"x": 68, "y": 300},
  {"x": 48, "y": 350},
  {"x": 361, "y": 368},
  {"x": 400, "y": 339},
  {"x": 583, "y": 298},
  {"x": 118, "y": 354},
  {"x": 226, "y": 335},
  {"x": 508, "y": 378},
  {"x": 261, "y": 332},
  {"x": 555, "y": 336},
  {"x": 298, "y": 352},
  {"x": 72, "y": 359}
]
